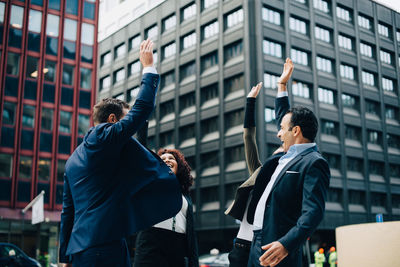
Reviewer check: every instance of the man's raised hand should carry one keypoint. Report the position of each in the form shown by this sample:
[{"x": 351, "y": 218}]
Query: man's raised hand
[
  {"x": 287, "y": 71},
  {"x": 146, "y": 53},
  {"x": 255, "y": 90}
]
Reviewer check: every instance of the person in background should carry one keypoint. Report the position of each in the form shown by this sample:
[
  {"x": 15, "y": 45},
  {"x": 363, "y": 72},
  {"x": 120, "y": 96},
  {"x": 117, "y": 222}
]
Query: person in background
[
  {"x": 332, "y": 259},
  {"x": 319, "y": 258},
  {"x": 171, "y": 243}
]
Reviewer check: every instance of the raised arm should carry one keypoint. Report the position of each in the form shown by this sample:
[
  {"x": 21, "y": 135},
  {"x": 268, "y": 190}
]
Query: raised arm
[
  {"x": 282, "y": 100},
  {"x": 249, "y": 131},
  {"x": 67, "y": 222}
]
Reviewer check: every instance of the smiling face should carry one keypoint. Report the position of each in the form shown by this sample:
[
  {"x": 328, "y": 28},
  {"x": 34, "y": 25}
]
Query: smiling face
[
  {"x": 171, "y": 162},
  {"x": 286, "y": 133}
]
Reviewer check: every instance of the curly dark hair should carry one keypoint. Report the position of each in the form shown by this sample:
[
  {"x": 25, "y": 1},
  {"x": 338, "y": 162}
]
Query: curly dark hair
[{"x": 183, "y": 172}]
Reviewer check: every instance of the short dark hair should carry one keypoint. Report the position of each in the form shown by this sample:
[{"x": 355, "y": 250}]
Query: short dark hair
[
  {"x": 107, "y": 106},
  {"x": 183, "y": 173},
  {"x": 306, "y": 120}
]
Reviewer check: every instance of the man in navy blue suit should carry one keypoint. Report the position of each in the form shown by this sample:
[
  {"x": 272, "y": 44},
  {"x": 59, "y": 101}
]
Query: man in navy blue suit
[{"x": 114, "y": 186}]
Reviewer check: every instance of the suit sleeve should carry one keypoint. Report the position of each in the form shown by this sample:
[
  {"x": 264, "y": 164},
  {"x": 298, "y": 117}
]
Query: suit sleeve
[
  {"x": 316, "y": 183},
  {"x": 249, "y": 137},
  {"x": 120, "y": 132},
  {"x": 281, "y": 107},
  {"x": 67, "y": 222},
  {"x": 141, "y": 135}
]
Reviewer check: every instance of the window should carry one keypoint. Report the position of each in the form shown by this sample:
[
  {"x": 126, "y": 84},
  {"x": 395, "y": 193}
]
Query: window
[
  {"x": 270, "y": 81},
  {"x": 343, "y": 14},
  {"x": 364, "y": 22},
  {"x": 346, "y": 72},
  {"x": 298, "y": 25},
  {"x": 301, "y": 89},
  {"x": 209, "y": 126},
  {"x": 393, "y": 141},
  {"x": 386, "y": 57},
  {"x": 167, "y": 79},
  {"x": 368, "y": 78},
  {"x": 234, "y": 155},
  {"x": 233, "y": 50},
  {"x": 188, "y": 40},
  {"x": 355, "y": 165},
  {"x": 352, "y": 132},
  {"x": 17, "y": 16},
  {"x": 188, "y": 12},
  {"x": 366, "y": 50},
  {"x": 378, "y": 200},
  {"x": 208, "y": 3},
  {"x": 34, "y": 27},
  {"x": 326, "y": 96},
  {"x": 269, "y": 114},
  {"x": 349, "y": 101},
  {"x": 272, "y": 49},
  {"x": 167, "y": 108},
  {"x": 169, "y": 50},
  {"x": 271, "y": 16},
  {"x": 372, "y": 107},
  {"x": 322, "y": 34},
  {"x": 321, "y": 5},
  {"x": 105, "y": 58},
  {"x": 167, "y": 139},
  {"x": 333, "y": 160},
  {"x": 169, "y": 23},
  {"x": 394, "y": 170},
  {"x": 187, "y": 103},
  {"x": 374, "y": 137},
  {"x": 118, "y": 76},
  {"x": 25, "y": 167},
  {"x": 68, "y": 74},
  {"x": 65, "y": 122},
  {"x": 52, "y": 34},
  {"x": 71, "y": 7},
  {"x": 70, "y": 28},
  {"x": 50, "y": 74},
  {"x": 209, "y": 60},
  {"x": 89, "y": 9},
  {"x": 105, "y": 83},
  {"x": 134, "y": 42},
  {"x": 134, "y": 68},
  {"x": 391, "y": 113},
  {"x": 187, "y": 133},
  {"x": 86, "y": 78},
  {"x": 151, "y": 32},
  {"x": 234, "y": 18},
  {"x": 132, "y": 94},
  {"x": 398, "y": 36},
  {"x": 387, "y": 84},
  {"x": 119, "y": 51},
  {"x": 8, "y": 113},
  {"x": 383, "y": 30},
  {"x": 209, "y": 93},
  {"x": 233, "y": 84},
  {"x": 28, "y": 117},
  {"x": 233, "y": 119},
  {"x": 345, "y": 42},
  {"x": 328, "y": 127},
  {"x": 324, "y": 64},
  {"x": 299, "y": 57},
  {"x": 357, "y": 197},
  {"x": 210, "y": 30},
  {"x": 87, "y": 40},
  {"x": 187, "y": 70}
]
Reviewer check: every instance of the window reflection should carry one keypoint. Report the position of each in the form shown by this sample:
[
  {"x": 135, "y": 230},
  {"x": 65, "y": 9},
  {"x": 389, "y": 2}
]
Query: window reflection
[
  {"x": 25, "y": 167},
  {"x": 83, "y": 124},
  {"x": 8, "y": 113},
  {"x": 86, "y": 78},
  {"x": 70, "y": 27},
  {"x": 12, "y": 67},
  {"x": 71, "y": 7},
  {"x": 65, "y": 122},
  {"x": 47, "y": 119},
  {"x": 6, "y": 163},
  {"x": 50, "y": 71},
  {"x": 32, "y": 67},
  {"x": 34, "y": 27},
  {"x": 52, "y": 34},
  {"x": 17, "y": 16},
  {"x": 89, "y": 9},
  {"x": 54, "y": 4},
  {"x": 68, "y": 74},
  {"x": 44, "y": 167},
  {"x": 60, "y": 170},
  {"x": 28, "y": 117},
  {"x": 87, "y": 34}
]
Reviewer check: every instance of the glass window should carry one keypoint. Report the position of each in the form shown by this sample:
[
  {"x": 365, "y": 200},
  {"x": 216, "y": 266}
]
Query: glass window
[
  {"x": 209, "y": 126},
  {"x": 167, "y": 79},
  {"x": 345, "y": 42},
  {"x": 346, "y": 72},
  {"x": 321, "y": 5},
  {"x": 83, "y": 124},
  {"x": 188, "y": 12},
  {"x": 12, "y": 67},
  {"x": 2, "y": 6},
  {"x": 298, "y": 25},
  {"x": 272, "y": 49},
  {"x": 32, "y": 67},
  {"x": 169, "y": 50},
  {"x": 70, "y": 26},
  {"x": 322, "y": 34},
  {"x": 209, "y": 60},
  {"x": 105, "y": 58},
  {"x": 186, "y": 101},
  {"x": 167, "y": 138},
  {"x": 105, "y": 83},
  {"x": 47, "y": 119},
  {"x": 299, "y": 89},
  {"x": 271, "y": 16},
  {"x": 387, "y": 84},
  {"x": 60, "y": 170},
  {"x": 65, "y": 122},
  {"x": 234, "y": 18},
  {"x": 233, "y": 50},
  {"x": 52, "y": 25},
  {"x": 28, "y": 117},
  {"x": 366, "y": 50},
  {"x": 352, "y": 132},
  {"x": 86, "y": 78},
  {"x": 269, "y": 114},
  {"x": 233, "y": 119},
  {"x": 189, "y": 40},
  {"x": 6, "y": 165},
  {"x": 270, "y": 80},
  {"x": 368, "y": 78},
  {"x": 343, "y": 13},
  {"x": 132, "y": 94},
  {"x": 167, "y": 108},
  {"x": 8, "y": 113},
  {"x": 89, "y": 10},
  {"x": 44, "y": 167},
  {"x": 326, "y": 96},
  {"x": 87, "y": 34},
  {"x": 208, "y": 3},
  {"x": 386, "y": 57},
  {"x": 187, "y": 70},
  {"x": 35, "y": 21},
  {"x": 50, "y": 71},
  {"x": 391, "y": 113},
  {"x": 134, "y": 42},
  {"x": 372, "y": 107},
  {"x": 17, "y": 16},
  {"x": 364, "y": 22},
  {"x": 71, "y": 7},
  {"x": 169, "y": 23},
  {"x": 68, "y": 74},
  {"x": 208, "y": 93},
  {"x": 54, "y": 4},
  {"x": 299, "y": 57},
  {"x": 234, "y": 84},
  {"x": 119, "y": 75},
  {"x": 383, "y": 30},
  {"x": 25, "y": 167},
  {"x": 324, "y": 64},
  {"x": 119, "y": 51},
  {"x": 134, "y": 68},
  {"x": 152, "y": 32},
  {"x": 210, "y": 30}
]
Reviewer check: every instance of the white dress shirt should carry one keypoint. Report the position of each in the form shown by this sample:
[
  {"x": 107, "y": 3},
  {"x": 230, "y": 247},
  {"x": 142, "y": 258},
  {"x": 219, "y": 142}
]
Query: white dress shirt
[{"x": 179, "y": 225}]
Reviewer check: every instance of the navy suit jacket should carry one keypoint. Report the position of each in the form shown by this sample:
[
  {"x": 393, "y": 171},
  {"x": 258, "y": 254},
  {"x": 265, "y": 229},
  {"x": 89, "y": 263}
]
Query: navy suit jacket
[
  {"x": 114, "y": 186},
  {"x": 296, "y": 203}
]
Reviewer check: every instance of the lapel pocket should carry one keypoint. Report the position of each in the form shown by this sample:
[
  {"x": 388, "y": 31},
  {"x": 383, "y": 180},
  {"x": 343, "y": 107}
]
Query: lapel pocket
[{"x": 292, "y": 172}]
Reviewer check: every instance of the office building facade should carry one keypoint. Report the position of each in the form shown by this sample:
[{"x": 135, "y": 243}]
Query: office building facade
[
  {"x": 48, "y": 60},
  {"x": 209, "y": 53}
]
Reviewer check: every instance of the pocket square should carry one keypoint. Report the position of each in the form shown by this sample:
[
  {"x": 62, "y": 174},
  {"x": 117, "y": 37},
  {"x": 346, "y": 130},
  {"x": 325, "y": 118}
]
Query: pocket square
[{"x": 291, "y": 172}]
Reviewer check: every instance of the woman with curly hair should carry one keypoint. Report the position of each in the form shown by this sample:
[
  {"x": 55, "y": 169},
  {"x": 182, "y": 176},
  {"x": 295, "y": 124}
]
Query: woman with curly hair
[{"x": 171, "y": 242}]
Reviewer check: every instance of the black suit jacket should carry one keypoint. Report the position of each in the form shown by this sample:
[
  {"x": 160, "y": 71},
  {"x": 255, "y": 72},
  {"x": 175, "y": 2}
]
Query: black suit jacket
[{"x": 296, "y": 204}]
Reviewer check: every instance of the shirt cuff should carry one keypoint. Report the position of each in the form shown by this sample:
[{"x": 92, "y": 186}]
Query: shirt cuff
[
  {"x": 150, "y": 70},
  {"x": 282, "y": 94}
]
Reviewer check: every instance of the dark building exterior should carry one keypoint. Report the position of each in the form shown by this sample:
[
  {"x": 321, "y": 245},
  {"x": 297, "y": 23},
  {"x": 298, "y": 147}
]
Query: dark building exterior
[
  {"x": 48, "y": 60},
  {"x": 210, "y": 52}
]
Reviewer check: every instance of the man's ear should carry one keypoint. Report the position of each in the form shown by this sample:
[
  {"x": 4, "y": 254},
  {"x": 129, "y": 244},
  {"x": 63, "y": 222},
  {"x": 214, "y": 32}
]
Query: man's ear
[
  {"x": 296, "y": 130},
  {"x": 112, "y": 118}
]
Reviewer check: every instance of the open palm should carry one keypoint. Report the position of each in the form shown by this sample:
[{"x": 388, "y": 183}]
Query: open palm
[{"x": 287, "y": 71}]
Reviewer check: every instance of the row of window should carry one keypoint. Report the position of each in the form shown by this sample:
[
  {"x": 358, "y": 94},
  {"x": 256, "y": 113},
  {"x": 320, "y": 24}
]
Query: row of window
[
  {"x": 189, "y": 40},
  {"x": 275, "y": 16}
]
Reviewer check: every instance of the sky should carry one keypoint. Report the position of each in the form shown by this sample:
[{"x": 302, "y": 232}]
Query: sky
[{"x": 394, "y": 4}]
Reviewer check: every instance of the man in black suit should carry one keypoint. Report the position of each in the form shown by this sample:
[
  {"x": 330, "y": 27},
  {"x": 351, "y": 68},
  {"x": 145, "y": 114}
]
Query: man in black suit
[{"x": 288, "y": 200}]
